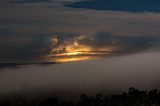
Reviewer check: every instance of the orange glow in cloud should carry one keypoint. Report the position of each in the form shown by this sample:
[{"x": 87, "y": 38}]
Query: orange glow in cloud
[
  {"x": 74, "y": 51},
  {"x": 70, "y": 59}
]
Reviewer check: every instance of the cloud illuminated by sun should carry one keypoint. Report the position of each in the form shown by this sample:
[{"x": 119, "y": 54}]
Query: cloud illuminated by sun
[
  {"x": 76, "y": 50},
  {"x": 69, "y": 50}
]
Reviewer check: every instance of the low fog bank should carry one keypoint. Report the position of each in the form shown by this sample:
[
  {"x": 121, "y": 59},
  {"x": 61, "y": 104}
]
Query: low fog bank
[{"x": 105, "y": 75}]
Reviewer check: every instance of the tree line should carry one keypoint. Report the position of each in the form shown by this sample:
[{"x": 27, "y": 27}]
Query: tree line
[{"x": 133, "y": 97}]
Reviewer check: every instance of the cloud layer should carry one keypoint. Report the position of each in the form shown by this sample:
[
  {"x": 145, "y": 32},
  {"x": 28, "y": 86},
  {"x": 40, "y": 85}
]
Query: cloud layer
[{"x": 31, "y": 30}]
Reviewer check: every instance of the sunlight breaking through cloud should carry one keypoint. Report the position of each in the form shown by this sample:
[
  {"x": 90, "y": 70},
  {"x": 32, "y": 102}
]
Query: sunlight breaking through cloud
[
  {"x": 75, "y": 50},
  {"x": 82, "y": 47}
]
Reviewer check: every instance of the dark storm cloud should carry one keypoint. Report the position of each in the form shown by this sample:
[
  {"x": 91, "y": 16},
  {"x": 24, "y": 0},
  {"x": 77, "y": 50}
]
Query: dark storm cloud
[
  {"x": 40, "y": 45},
  {"x": 119, "y": 5},
  {"x": 29, "y": 49}
]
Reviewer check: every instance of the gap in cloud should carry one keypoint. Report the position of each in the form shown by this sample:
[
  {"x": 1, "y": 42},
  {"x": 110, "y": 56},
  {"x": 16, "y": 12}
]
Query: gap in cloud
[{"x": 119, "y": 5}]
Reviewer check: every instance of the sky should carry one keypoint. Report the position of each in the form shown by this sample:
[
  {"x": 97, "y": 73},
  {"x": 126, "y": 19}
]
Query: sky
[
  {"x": 31, "y": 30},
  {"x": 119, "y": 5},
  {"x": 101, "y": 41}
]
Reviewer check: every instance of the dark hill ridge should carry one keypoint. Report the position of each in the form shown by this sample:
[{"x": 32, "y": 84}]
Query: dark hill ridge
[
  {"x": 119, "y": 5},
  {"x": 15, "y": 65}
]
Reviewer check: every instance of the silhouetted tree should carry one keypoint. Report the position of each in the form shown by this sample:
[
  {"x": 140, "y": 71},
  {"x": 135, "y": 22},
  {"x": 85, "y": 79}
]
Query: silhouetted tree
[
  {"x": 133, "y": 97},
  {"x": 50, "y": 102},
  {"x": 84, "y": 101},
  {"x": 152, "y": 96},
  {"x": 5, "y": 103},
  {"x": 67, "y": 103}
]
